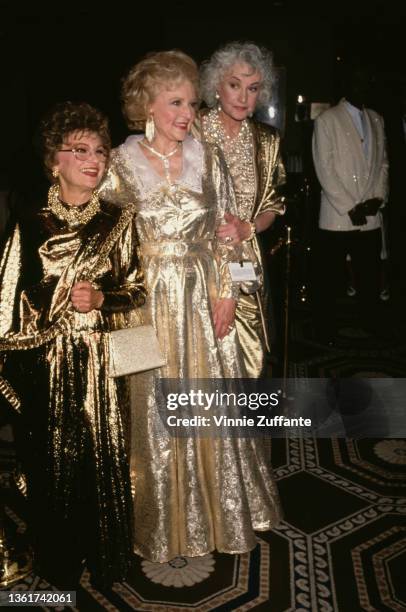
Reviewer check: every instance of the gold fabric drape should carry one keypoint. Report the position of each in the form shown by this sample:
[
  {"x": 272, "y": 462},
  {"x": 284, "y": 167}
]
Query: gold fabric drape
[
  {"x": 191, "y": 495},
  {"x": 255, "y": 163},
  {"x": 57, "y": 361}
]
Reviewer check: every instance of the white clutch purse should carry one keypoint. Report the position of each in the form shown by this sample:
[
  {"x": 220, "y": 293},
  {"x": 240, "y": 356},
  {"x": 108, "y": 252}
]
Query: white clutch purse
[{"x": 134, "y": 349}]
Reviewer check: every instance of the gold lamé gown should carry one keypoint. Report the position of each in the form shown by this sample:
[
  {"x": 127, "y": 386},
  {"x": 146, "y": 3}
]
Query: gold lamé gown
[
  {"x": 254, "y": 161},
  {"x": 191, "y": 495},
  {"x": 72, "y": 433}
]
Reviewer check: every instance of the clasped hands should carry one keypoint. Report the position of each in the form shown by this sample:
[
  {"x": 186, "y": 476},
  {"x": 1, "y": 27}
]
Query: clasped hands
[
  {"x": 85, "y": 297},
  {"x": 361, "y": 211},
  {"x": 234, "y": 230}
]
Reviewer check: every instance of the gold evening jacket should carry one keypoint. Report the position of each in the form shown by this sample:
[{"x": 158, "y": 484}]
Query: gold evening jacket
[
  {"x": 258, "y": 175},
  {"x": 86, "y": 411},
  {"x": 42, "y": 259},
  {"x": 191, "y": 494}
]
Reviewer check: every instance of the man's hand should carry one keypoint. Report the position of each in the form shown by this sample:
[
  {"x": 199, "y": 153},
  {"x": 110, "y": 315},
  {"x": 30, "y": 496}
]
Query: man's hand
[{"x": 85, "y": 298}]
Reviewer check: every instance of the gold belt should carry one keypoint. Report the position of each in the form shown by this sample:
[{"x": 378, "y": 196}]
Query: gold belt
[{"x": 177, "y": 248}]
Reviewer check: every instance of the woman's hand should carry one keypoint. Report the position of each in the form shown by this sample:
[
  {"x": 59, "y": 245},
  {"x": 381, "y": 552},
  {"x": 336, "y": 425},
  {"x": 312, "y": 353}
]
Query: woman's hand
[
  {"x": 223, "y": 316},
  {"x": 85, "y": 298},
  {"x": 234, "y": 230}
]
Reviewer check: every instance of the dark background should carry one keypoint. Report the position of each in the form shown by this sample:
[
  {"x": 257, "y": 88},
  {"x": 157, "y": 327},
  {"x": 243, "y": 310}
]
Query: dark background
[{"x": 81, "y": 50}]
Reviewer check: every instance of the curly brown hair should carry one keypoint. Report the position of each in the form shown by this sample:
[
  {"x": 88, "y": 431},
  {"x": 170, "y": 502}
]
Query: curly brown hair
[
  {"x": 153, "y": 73},
  {"x": 66, "y": 118}
]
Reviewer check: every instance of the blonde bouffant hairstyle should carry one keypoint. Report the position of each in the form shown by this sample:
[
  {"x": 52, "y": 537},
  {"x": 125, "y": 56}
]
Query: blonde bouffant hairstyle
[{"x": 156, "y": 71}]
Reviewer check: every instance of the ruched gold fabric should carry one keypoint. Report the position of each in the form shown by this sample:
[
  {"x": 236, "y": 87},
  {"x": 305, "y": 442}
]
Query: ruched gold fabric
[
  {"x": 254, "y": 161},
  {"x": 191, "y": 495},
  {"x": 57, "y": 361},
  {"x": 31, "y": 316}
]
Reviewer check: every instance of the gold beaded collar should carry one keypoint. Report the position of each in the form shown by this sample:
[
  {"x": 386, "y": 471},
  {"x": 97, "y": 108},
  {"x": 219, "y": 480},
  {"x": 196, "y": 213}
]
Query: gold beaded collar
[
  {"x": 239, "y": 156},
  {"x": 73, "y": 215},
  {"x": 215, "y": 130}
]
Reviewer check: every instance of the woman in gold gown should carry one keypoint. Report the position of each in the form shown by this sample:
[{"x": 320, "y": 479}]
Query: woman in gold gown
[
  {"x": 69, "y": 273},
  {"x": 191, "y": 494},
  {"x": 236, "y": 79}
]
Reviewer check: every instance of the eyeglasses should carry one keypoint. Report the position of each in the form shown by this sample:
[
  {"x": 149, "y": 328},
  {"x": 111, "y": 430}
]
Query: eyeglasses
[{"x": 84, "y": 153}]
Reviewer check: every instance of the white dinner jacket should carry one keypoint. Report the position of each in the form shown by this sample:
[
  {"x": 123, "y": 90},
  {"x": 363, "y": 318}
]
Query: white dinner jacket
[{"x": 348, "y": 176}]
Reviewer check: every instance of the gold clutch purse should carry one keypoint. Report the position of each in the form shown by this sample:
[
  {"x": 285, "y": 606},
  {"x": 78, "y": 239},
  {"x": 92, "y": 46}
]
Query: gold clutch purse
[{"x": 134, "y": 349}]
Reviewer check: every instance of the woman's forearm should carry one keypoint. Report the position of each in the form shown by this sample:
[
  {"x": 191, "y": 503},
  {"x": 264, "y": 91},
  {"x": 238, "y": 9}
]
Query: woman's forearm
[{"x": 263, "y": 221}]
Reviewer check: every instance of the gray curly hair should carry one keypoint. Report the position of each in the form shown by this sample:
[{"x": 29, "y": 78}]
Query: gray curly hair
[{"x": 213, "y": 70}]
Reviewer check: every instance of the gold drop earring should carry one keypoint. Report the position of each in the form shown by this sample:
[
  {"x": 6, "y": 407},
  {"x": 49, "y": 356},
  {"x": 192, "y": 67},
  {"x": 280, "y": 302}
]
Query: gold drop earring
[{"x": 150, "y": 128}]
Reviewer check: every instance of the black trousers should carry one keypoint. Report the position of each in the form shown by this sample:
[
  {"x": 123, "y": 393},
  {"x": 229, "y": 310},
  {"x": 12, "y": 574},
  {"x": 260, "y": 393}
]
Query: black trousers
[{"x": 330, "y": 254}]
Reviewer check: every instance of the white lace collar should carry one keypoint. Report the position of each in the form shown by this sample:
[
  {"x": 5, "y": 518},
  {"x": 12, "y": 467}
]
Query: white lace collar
[{"x": 146, "y": 177}]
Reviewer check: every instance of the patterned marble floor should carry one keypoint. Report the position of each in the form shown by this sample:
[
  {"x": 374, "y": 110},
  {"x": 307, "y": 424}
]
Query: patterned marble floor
[{"x": 342, "y": 544}]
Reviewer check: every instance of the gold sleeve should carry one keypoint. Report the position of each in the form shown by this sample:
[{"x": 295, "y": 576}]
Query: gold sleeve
[
  {"x": 129, "y": 291},
  {"x": 271, "y": 172},
  {"x": 115, "y": 187},
  {"x": 225, "y": 202},
  {"x": 10, "y": 270}
]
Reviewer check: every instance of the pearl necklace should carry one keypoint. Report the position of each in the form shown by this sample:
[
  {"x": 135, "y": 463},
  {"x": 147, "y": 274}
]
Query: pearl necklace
[
  {"x": 162, "y": 157},
  {"x": 73, "y": 215}
]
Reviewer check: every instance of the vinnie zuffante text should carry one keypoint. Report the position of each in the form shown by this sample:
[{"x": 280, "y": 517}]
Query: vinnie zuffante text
[{"x": 200, "y": 400}]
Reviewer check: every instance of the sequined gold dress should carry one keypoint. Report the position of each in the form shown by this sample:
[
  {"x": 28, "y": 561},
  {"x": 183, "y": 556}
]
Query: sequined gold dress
[
  {"x": 254, "y": 161},
  {"x": 71, "y": 433},
  {"x": 191, "y": 495}
]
